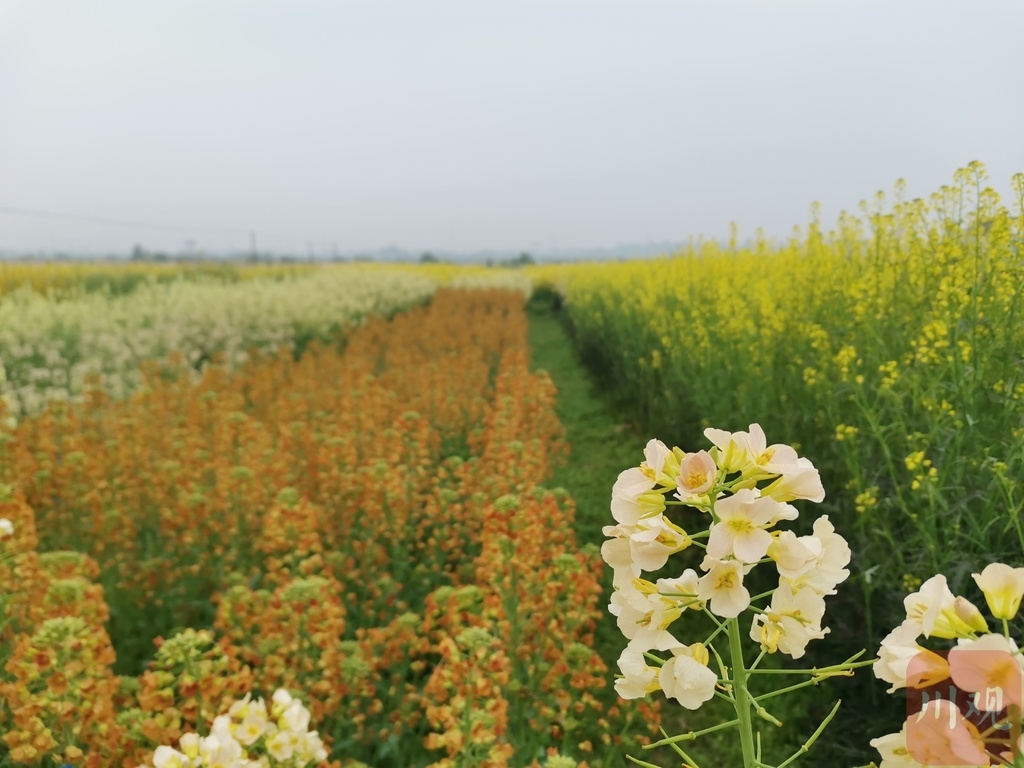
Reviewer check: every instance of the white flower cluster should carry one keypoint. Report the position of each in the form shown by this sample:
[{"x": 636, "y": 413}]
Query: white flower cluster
[
  {"x": 250, "y": 737},
  {"x": 49, "y": 346},
  {"x": 984, "y": 663},
  {"x": 744, "y": 485}
]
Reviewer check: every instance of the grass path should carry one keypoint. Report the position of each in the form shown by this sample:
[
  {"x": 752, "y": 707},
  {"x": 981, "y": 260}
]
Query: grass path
[{"x": 601, "y": 447}]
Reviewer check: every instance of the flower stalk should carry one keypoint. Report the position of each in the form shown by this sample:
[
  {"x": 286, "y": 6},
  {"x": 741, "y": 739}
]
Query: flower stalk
[
  {"x": 740, "y": 694},
  {"x": 742, "y": 487}
]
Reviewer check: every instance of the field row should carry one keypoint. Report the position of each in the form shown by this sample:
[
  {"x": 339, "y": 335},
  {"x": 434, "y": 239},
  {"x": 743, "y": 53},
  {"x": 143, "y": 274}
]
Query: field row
[
  {"x": 56, "y": 344},
  {"x": 363, "y": 529}
]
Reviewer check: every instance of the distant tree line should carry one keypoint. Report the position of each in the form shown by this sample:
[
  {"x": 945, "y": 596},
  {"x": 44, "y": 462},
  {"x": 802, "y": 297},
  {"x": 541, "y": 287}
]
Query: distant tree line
[{"x": 522, "y": 260}]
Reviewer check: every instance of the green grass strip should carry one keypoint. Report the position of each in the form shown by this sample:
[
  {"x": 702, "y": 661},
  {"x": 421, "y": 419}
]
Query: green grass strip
[{"x": 602, "y": 445}]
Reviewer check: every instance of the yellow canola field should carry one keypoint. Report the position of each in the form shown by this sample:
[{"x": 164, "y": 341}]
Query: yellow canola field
[{"x": 889, "y": 348}]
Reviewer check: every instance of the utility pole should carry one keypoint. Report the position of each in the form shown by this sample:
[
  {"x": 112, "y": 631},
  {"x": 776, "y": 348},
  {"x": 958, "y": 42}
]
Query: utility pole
[{"x": 252, "y": 243}]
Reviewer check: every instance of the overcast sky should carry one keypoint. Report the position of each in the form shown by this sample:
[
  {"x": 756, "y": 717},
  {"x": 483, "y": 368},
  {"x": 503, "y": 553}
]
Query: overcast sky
[{"x": 448, "y": 125}]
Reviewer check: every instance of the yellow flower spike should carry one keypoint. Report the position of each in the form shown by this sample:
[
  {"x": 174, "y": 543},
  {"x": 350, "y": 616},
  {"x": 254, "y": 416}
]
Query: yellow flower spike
[{"x": 1003, "y": 588}]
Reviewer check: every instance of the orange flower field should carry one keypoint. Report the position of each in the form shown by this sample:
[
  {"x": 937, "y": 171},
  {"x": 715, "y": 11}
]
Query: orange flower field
[{"x": 365, "y": 527}]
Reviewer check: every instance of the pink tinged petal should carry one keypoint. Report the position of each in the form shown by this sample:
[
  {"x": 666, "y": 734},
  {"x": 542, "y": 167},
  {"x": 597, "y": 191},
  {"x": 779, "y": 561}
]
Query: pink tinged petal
[
  {"x": 697, "y": 473},
  {"x": 632, "y": 482}
]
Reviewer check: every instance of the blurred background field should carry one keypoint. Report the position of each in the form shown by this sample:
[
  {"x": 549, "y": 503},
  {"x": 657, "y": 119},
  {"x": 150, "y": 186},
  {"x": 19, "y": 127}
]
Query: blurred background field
[
  {"x": 326, "y": 329},
  {"x": 212, "y": 441}
]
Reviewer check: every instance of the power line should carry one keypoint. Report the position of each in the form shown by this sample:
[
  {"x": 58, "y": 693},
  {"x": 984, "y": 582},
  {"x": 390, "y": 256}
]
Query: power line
[{"x": 138, "y": 224}]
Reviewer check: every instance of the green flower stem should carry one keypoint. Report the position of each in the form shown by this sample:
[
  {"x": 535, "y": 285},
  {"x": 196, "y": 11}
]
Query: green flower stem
[
  {"x": 725, "y": 697},
  {"x": 739, "y": 692},
  {"x": 723, "y": 672},
  {"x": 692, "y": 734},
  {"x": 718, "y": 630},
  {"x": 835, "y": 669},
  {"x": 814, "y": 736},
  {"x": 641, "y": 762},
  {"x": 787, "y": 689},
  {"x": 763, "y": 713},
  {"x": 690, "y": 762},
  {"x": 719, "y": 624}
]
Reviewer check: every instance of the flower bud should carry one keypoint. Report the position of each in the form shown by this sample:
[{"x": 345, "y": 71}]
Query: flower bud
[
  {"x": 1003, "y": 588},
  {"x": 969, "y": 614}
]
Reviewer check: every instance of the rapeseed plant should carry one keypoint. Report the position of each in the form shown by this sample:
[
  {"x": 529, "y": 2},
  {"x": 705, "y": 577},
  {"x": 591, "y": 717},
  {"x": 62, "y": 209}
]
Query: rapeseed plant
[{"x": 743, "y": 485}]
